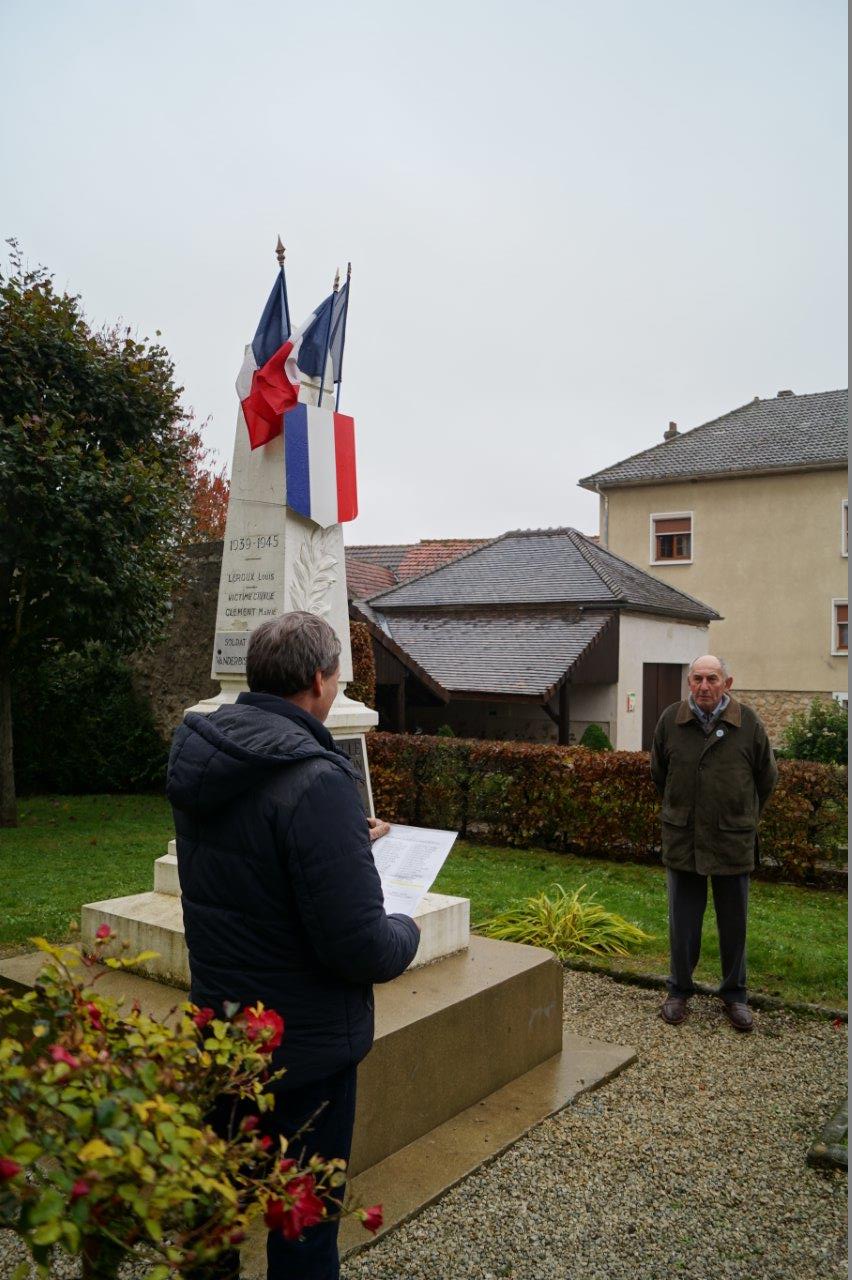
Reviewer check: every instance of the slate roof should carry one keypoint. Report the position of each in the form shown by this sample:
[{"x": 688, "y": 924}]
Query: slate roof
[
  {"x": 787, "y": 433},
  {"x": 487, "y": 653},
  {"x": 538, "y": 567}
]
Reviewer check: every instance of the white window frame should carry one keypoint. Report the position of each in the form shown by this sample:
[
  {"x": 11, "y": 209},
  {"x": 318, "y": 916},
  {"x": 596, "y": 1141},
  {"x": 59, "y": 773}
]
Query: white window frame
[
  {"x": 844, "y": 528},
  {"x": 835, "y": 652},
  {"x": 842, "y": 697},
  {"x": 652, "y": 543}
]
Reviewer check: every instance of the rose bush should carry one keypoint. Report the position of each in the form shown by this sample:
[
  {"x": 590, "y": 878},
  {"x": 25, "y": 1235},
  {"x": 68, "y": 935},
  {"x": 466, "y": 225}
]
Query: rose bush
[{"x": 104, "y": 1143}]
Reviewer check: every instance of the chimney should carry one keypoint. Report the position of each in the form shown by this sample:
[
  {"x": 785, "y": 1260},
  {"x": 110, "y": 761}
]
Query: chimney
[
  {"x": 785, "y": 393},
  {"x": 672, "y": 431}
]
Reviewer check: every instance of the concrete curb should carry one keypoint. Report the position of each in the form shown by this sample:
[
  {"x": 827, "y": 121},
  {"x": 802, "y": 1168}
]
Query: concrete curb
[{"x": 657, "y": 981}]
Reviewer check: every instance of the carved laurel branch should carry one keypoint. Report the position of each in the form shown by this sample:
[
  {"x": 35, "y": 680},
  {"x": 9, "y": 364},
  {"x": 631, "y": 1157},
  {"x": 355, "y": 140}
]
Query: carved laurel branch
[{"x": 313, "y": 575}]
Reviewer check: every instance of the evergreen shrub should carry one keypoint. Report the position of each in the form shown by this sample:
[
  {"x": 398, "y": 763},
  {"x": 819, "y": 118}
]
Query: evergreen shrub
[
  {"x": 601, "y": 803},
  {"x": 820, "y": 733},
  {"x": 595, "y": 739},
  {"x": 83, "y": 728}
]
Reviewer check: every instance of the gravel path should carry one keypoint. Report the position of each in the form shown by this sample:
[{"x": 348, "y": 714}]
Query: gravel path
[{"x": 689, "y": 1164}]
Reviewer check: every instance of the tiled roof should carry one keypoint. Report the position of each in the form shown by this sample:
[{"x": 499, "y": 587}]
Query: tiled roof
[
  {"x": 409, "y": 560},
  {"x": 541, "y": 566},
  {"x": 431, "y": 552},
  {"x": 787, "y": 433},
  {"x": 364, "y": 579},
  {"x": 387, "y": 555},
  {"x": 488, "y": 653}
]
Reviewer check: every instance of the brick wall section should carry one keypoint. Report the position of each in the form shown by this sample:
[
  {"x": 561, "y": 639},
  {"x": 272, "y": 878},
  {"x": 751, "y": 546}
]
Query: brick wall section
[
  {"x": 175, "y": 673},
  {"x": 775, "y": 707}
]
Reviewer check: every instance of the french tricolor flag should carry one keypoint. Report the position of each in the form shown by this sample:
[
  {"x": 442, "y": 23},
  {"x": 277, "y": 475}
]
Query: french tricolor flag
[
  {"x": 319, "y": 459},
  {"x": 269, "y": 381}
]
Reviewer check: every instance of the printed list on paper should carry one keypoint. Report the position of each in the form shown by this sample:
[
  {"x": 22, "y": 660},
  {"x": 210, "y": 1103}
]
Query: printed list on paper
[{"x": 408, "y": 860}]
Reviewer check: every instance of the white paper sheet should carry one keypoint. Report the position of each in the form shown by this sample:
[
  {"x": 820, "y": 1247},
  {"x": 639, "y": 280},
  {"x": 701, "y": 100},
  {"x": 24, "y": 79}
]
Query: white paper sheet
[{"x": 408, "y": 860}]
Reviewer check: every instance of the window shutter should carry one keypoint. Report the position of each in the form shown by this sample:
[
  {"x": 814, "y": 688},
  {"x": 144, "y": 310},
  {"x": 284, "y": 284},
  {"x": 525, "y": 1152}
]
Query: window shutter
[{"x": 680, "y": 524}]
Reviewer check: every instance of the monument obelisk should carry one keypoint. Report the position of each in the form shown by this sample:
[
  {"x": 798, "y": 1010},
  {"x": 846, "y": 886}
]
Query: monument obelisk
[{"x": 274, "y": 561}]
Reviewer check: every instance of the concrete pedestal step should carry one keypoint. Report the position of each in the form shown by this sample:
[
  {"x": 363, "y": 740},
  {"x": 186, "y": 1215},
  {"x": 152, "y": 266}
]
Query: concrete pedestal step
[{"x": 154, "y": 922}]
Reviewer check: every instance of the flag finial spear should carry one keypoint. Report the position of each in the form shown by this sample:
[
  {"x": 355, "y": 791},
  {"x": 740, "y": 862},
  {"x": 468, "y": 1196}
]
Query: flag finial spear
[
  {"x": 280, "y": 252},
  {"x": 337, "y": 280},
  {"x": 349, "y": 271}
]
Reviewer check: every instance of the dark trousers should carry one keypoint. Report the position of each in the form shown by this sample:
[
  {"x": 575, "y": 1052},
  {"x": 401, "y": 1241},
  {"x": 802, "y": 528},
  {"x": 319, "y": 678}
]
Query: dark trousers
[
  {"x": 329, "y": 1134},
  {"x": 687, "y": 902}
]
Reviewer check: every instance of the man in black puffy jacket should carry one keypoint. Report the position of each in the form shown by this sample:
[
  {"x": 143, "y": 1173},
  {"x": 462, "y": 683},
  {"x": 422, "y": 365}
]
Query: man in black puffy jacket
[{"x": 282, "y": 902}]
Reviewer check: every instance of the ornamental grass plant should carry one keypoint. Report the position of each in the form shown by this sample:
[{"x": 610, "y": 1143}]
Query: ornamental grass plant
[
  {"x": 105, "y": 1149},
  {"x": 568, "y": 924}
]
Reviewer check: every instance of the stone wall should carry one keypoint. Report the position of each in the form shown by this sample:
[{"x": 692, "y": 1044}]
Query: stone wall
[
  {"x": 175, "y": 673},
  {"x": 775, "y": 707}
]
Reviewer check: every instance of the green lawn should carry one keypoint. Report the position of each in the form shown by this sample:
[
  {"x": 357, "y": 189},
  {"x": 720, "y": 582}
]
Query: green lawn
[{"x": 74, "y": 849}]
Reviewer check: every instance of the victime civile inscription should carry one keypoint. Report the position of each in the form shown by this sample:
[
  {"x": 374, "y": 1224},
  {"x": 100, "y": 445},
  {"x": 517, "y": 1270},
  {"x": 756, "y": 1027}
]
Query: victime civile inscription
[{"x": 250, "y": 593}]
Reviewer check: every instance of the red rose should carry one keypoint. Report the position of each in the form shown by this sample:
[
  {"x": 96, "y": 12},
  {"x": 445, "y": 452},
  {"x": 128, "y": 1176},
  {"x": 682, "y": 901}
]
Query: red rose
[
  {"x": 265, "y": 1142},
  {"x": 60, "y": 1054},
  {"x": 274, "y": 1214},
  {"x": 202, "y": 1016},
  {"x": 9, "y": 1168},
  {"x": 103, "y": 931},
  {"x": 264, "y": 1026},
  {"x": 80, "y": 1188},
  {"x": 286, "y": 1165},
  {"x": 373, "y": 1217},
  {"x": 250, "y": 1123},
  {"x": 236, "y": 1237},
  {"x": 307, "y": 1210},
  {"x": 95, "y": 1016}
]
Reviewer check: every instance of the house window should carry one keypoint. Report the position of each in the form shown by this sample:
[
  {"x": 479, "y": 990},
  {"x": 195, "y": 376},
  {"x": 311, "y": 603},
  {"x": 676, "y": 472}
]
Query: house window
[
  {"x": 844, "y": 527},
  {"x": 671, "y": 537},
  {"x": 840, "y": 626}
]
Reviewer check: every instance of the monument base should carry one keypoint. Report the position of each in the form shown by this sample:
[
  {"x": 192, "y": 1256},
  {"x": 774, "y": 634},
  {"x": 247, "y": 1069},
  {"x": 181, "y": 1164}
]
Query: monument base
[{"x": 154, "y": 922}]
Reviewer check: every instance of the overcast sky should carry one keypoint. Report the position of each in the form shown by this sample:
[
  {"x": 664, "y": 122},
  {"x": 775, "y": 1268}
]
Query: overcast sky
[{"x": 569, "y": 222}]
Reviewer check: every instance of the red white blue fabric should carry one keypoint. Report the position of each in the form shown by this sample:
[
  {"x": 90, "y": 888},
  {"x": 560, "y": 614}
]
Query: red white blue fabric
[
  {"x": 269, "y": 381},
  {"x": 319, "y": 459}
]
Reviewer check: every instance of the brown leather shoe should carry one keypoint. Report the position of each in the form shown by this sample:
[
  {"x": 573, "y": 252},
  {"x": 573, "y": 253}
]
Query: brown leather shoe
[
  {"x": 739, "y": 1016},
  {"x": 674, "y": 1010}
]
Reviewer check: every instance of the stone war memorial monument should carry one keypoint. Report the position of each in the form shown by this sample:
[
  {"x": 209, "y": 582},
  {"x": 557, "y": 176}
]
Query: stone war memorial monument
[{"x": 470, "y": 1051}]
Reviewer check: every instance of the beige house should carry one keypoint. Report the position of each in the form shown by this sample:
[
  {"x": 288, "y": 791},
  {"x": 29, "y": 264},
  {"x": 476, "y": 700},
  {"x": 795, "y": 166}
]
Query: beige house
[{"x": 750, "y": 513}]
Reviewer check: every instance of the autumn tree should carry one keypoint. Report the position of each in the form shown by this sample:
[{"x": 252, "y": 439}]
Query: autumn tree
[
  {"x": 94, "y": 485},
  {"x": 209, "y": 490}
]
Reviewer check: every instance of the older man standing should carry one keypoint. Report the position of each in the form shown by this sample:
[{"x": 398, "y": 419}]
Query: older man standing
[{"x": 712, "y": 763}]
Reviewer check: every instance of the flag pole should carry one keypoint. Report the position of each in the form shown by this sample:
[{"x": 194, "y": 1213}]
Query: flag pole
[
  {"x": 343, "y": 334},
  {"x": 281, "y": 253},
  {"x": 334, "y": 289}
]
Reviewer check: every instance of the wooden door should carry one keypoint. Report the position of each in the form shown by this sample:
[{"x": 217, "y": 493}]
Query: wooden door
[{"x": 661, "y": 686}]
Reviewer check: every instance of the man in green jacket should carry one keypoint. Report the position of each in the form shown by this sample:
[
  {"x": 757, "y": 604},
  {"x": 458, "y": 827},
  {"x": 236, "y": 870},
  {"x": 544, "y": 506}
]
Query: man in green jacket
[{"x": 712, "y": 763}]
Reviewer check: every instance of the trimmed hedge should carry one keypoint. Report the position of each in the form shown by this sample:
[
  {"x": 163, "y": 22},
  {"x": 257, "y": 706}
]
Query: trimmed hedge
[
  {"x": 595, "y": 802},
  {"x": 363, "y": 686}
]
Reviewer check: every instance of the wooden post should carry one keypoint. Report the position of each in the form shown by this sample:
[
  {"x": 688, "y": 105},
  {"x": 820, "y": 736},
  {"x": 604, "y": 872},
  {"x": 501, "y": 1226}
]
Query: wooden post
[
  {"x": 564, "y": 720},
  {"x": 400, "y": 705}
]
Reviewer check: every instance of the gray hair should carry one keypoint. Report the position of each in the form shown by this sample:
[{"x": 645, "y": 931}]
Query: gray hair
[
  {"x": 721, "y": 661},
  {"x": 284, "y": 654}
]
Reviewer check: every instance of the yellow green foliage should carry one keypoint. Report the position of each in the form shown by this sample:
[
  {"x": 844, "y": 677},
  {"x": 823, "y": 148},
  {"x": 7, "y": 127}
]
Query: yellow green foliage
[
  {"x": 104, "y": 1144},
  {"x": 567, "y": 924}
]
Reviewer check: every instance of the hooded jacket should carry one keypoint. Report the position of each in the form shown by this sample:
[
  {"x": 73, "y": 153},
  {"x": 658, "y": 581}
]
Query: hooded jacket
[{"x": 282, "y": 902}]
